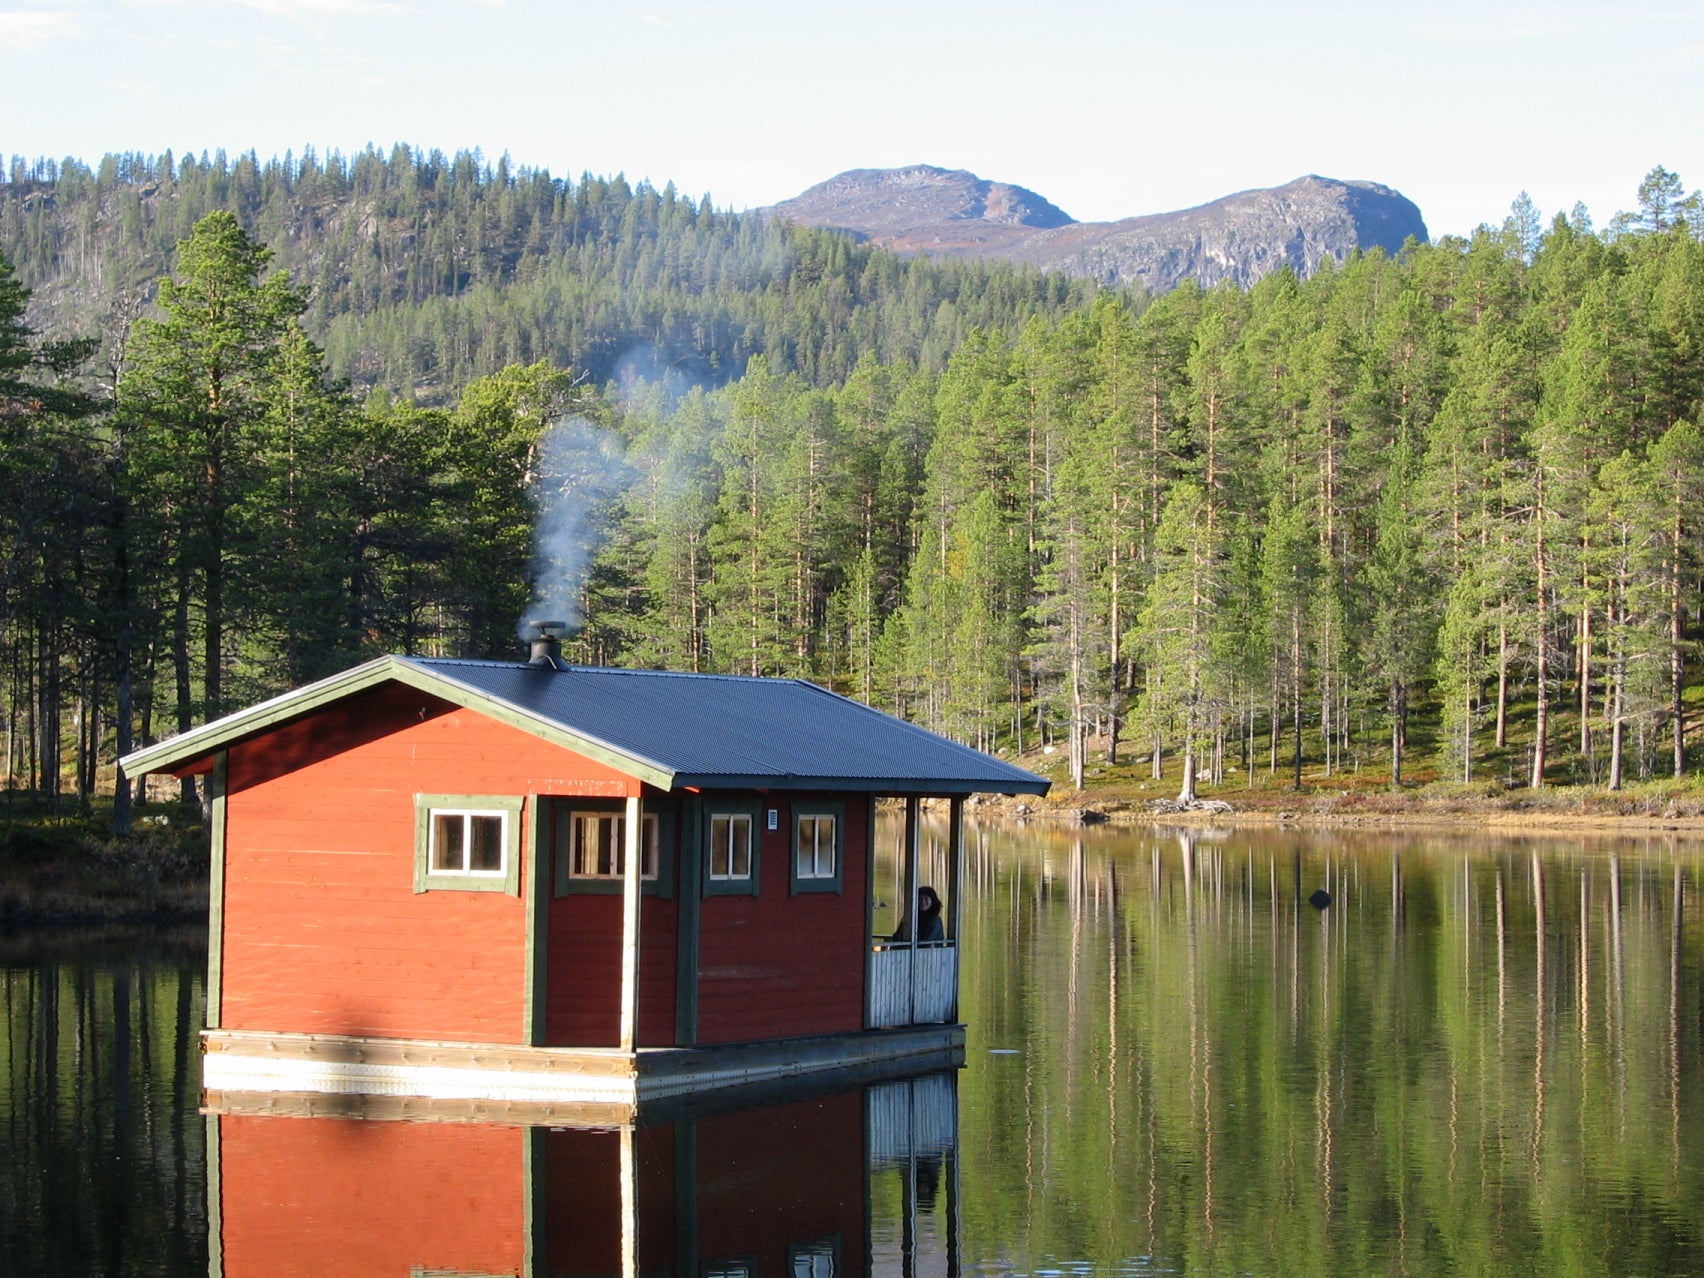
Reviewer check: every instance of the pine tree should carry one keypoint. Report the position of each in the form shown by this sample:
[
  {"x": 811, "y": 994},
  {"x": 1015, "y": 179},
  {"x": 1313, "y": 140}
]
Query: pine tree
[
  {"x": 195, "y": 383},
  {"x": 1179, "y": 629}
]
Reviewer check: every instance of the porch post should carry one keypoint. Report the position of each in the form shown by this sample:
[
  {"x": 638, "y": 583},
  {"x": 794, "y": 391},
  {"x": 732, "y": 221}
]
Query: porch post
[
  {"x": 632, "y": 871},
  {"x": 955, "y": 889},
  {"x": 955, "y": 864},
  {"x": 913, "y": 831},
  {"x": 629, "y": 1200}
]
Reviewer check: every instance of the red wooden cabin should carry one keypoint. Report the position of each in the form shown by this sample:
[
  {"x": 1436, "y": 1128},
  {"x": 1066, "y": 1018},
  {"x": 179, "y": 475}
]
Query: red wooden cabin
[
  {"x": 780, "y": 1185},
  {"x": 535, "y": 882}
]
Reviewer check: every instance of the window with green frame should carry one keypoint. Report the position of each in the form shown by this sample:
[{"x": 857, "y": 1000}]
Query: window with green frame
[
  {"x": 467, "y": 843},
  {"x": 731, "y": 851},
  {"x": 819, "y": 832},
  {"x": 590, "y": 849}
]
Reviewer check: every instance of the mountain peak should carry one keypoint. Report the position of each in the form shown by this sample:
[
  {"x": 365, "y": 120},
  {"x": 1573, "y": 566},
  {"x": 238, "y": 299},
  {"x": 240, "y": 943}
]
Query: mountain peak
[
  {"x": 881, "y": 203},
  {"x": 1239, "y": 237}
]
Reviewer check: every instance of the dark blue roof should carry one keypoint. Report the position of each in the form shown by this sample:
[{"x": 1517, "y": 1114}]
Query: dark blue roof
[{"x": 724, "y": 730}]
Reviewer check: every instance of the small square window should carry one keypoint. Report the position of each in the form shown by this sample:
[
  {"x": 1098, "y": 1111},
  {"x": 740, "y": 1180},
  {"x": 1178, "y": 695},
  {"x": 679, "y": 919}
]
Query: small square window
[
  {"x": 598, "y": 846},
  {"x": 816, "y": 843},
  {"x": 819, "y": 830},
  {"x": 732, "y": 848},
  {"x": 589, "y": 842},
  {"x": 467, "y": 844},
  {"x": 819, "y": 1259}
]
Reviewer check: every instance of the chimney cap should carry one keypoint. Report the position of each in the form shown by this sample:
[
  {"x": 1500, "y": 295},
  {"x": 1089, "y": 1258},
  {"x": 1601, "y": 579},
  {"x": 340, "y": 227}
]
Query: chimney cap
[{"x": 545, "y": 647}]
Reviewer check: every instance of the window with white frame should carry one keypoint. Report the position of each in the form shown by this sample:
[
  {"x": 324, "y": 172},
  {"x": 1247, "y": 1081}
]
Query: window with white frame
[
  {"x": 597, "y": 845},
  {"x": 730, "y": 847},
  {"x": 819, "y": 1259},
  {"x": 815, "y": 842},
  {"x": 819, "y": 830},
  {"x": 467, "y": 843},
  {"x": 730, "y": 844}
]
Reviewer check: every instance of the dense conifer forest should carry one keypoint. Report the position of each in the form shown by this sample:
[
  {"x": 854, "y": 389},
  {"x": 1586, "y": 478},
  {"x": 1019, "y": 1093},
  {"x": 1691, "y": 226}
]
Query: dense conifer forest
[{"x": 1437, "y": 515}]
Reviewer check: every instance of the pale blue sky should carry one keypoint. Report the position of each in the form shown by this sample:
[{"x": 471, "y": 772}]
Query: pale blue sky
[{"x": 1108, "y": 110}]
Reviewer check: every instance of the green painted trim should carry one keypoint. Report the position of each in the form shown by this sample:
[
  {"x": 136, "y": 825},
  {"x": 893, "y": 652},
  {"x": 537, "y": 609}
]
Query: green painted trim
[
  {"x": 715, "y": 807},
  {"x": 869, "y": 902},
  {"x": 534, "y": 1012},
  {"x": 163, "y": 756},
  {"x": 647, "y": 770},
  {"x": 662, "y": 886},
  {"x": 835, "y": 882},
  {"x": 213, "y": 995},
  {"x": 215, "y": 1202},
  {"x": 686, "y": 924},
  {"x": 686, "y": 1195},
  {"x": 533, "y": 1238},
  {"x": 427, "y": 881},
  {"x": 888, "y": 787}
]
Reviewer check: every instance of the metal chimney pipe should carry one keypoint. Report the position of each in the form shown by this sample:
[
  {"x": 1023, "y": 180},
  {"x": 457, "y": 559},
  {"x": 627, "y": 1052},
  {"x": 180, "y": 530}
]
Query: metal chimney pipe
[{"x": 545, "y": 648}]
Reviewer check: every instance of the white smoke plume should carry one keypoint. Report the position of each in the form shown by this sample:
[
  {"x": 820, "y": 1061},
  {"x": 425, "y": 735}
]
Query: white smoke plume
[{"x": 581, "y": 470}]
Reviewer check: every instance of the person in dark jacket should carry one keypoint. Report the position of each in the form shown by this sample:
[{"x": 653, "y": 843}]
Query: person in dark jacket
[{"x": 929, "y": 914}]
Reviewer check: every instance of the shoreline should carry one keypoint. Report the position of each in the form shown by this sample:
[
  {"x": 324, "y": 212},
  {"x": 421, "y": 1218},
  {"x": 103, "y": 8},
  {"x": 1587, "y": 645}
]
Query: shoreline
[{"x": 1559, "y": 813}]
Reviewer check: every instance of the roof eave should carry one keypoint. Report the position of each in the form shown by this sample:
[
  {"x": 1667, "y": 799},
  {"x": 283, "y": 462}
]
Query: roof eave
[
  {"x": 186, "y": 748},
  {"x": 895, "y": 786}
]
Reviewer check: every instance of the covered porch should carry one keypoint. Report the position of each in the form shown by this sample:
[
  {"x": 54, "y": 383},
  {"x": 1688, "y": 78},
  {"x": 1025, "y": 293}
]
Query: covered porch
[{"x": 912, "y": 981}]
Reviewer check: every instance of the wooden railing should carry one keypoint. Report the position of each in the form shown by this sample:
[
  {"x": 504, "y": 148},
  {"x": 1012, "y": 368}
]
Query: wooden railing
[
  {"x": 912, "y": 1117},
  {"x": 901, "y": 996}
]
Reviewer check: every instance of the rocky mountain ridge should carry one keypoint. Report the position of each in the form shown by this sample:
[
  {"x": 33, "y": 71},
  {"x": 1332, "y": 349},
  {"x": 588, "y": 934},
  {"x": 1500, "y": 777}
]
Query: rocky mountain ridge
[{"x": 1241, "y": 237}]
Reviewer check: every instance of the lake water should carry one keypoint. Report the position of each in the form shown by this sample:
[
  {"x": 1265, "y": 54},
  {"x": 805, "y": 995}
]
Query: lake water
[{"x": 1484, "y": 1056}]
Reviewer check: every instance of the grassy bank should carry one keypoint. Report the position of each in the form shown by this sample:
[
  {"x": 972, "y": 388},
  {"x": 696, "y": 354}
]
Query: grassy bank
[
  {"x": 65, "y": 868},
  {"x": 1364, "y": 793}
]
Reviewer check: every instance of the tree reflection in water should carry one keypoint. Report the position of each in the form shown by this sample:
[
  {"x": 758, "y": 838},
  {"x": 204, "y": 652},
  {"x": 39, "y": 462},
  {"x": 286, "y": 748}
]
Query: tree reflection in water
[
  {"x": 1484, "y": 1057},
  {"x": 1456, "y": 1067}
]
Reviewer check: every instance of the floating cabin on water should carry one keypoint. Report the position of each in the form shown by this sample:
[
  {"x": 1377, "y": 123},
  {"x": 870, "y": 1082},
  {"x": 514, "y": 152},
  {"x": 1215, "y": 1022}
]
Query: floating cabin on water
[
  {"x": 579, "y": 887},
  {"x": 793, "y": 1180}
]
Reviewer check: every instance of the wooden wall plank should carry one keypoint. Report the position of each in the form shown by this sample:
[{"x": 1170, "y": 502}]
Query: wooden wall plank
[
  {"x": 324, "y": 932},
  {"x": 325, "y": 1197},
  {"x": 778, "y": 965}
]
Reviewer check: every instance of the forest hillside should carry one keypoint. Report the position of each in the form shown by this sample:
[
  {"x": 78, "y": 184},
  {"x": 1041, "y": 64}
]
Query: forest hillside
[{"x": 1433, "y": 515}]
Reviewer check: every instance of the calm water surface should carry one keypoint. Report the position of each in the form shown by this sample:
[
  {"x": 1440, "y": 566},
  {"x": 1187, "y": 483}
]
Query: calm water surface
[{"x": 1483, "y": 1057}]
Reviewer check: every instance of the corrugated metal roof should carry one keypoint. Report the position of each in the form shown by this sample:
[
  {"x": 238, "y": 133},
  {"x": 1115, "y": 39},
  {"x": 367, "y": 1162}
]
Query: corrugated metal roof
[
  {"x": 724, "y": 730},
  {"x": 670, "y": 730}
]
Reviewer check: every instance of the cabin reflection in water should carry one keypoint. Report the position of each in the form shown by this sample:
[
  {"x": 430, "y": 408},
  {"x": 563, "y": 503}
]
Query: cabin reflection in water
[{"x": 785, "y": 1186}]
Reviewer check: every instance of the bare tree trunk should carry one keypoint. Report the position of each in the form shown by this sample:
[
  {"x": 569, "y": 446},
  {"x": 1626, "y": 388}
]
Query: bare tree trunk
[
  {"x": 1398, "y": 705},
  {"x": 1541, "y": 726},
  {"x": 180, "y": 665},
  {"x": 1503, "y": 680},
  {"x": 1296, "y": 692},
  {"x": 1585, "y": 664},
  {"x": 1677, "y": 657},
  {"x": 1617, "y": 703}
]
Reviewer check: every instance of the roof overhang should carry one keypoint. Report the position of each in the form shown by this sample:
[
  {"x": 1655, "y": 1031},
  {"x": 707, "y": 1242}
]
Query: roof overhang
[
  {"x": 182, "y": 752},
  {"x": 887, "y": 787},
  {"x": 193, "y": 751}
]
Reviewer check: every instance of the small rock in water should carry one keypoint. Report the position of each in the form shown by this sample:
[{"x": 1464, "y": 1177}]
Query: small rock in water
[{"x": 1320, "y": 899}]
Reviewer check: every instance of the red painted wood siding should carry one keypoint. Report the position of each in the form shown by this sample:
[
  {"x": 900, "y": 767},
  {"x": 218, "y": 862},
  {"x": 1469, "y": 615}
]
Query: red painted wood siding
[
  {"x": 784, "y": 1176},
  {"x": 582, "y": 1207},
  {"x": 323, "y": 930},
  {"x": 583, "y": 986},
  {"x": 326, "y": 1197},
  {"x": 778, "y": 965}
]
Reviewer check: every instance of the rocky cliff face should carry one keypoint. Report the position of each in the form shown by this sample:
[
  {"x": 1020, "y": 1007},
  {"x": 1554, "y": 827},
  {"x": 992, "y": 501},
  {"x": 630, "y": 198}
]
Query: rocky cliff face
[{"x": 1239, "y": 238}]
